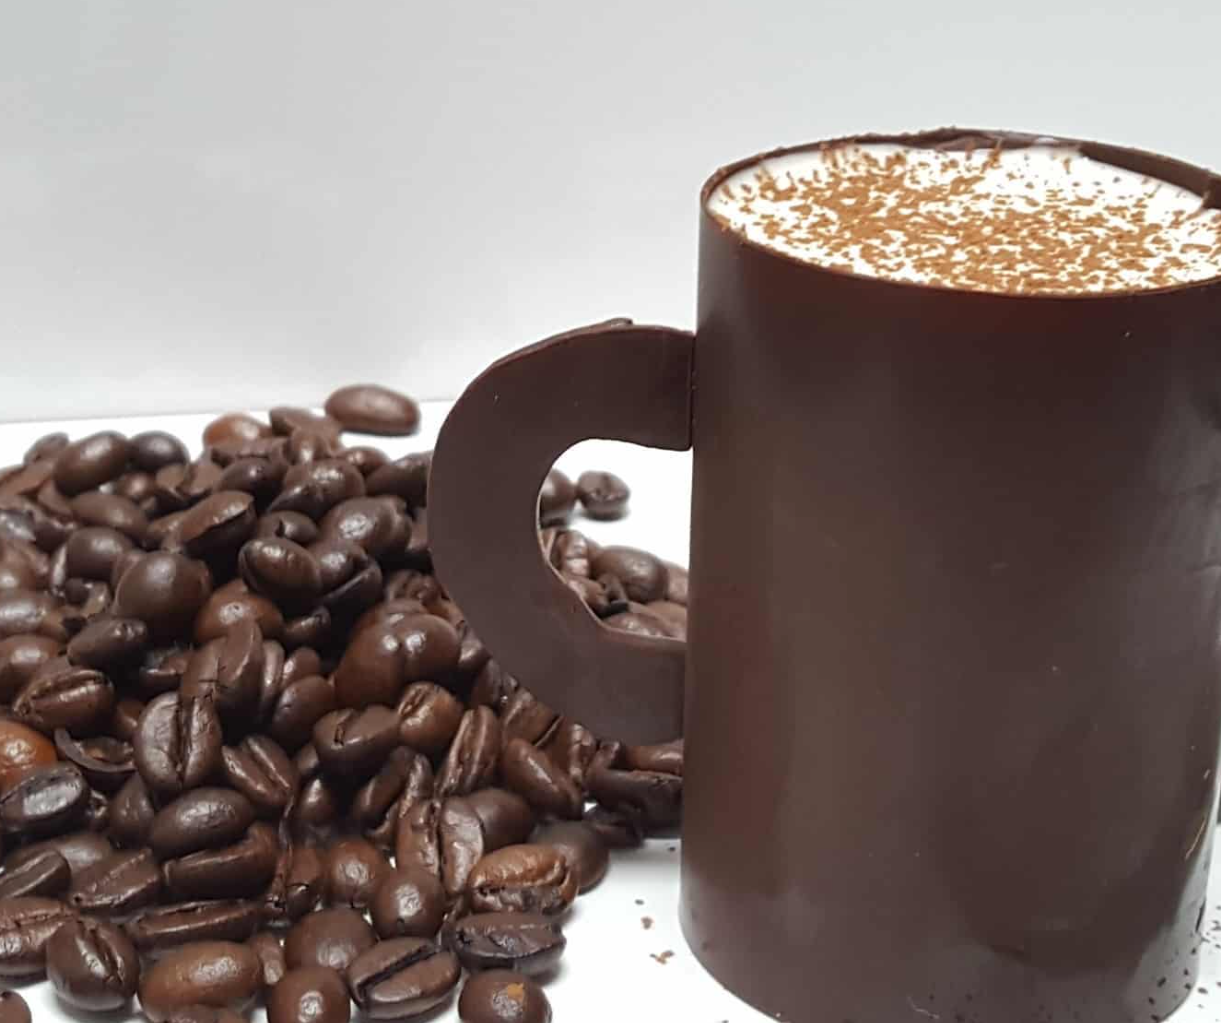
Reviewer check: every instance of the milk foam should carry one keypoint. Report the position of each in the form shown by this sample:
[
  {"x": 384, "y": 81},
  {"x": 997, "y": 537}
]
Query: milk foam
[{"x": 1037, "y": 219}]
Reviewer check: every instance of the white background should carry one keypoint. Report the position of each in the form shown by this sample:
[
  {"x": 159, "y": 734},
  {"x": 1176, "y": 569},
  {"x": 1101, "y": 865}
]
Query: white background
[{"x": 222, "y": 203}]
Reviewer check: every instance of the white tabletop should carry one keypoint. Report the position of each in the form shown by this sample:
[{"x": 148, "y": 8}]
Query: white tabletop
[{"x": 615, "y": 966}]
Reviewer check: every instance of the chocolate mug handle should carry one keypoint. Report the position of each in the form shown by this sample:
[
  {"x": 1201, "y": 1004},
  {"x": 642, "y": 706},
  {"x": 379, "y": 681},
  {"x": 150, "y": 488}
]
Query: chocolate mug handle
[{"x": 612, "y": 380}]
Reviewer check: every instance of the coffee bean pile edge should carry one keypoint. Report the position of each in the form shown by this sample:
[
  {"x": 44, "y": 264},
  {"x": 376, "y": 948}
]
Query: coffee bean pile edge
[{"x": 250, "y": 749}]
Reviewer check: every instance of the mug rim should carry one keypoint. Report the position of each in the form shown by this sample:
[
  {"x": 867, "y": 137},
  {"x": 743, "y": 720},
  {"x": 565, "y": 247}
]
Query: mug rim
[{"x": 1194, "y": 178}]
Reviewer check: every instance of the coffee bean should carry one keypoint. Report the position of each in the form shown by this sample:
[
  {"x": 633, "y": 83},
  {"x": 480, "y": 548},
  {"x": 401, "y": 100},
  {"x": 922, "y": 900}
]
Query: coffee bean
[
  {"x": 315, "y": 815},
  {"x": 281, "y": 570},
  {"x": 139, "y": 487},
  {"x": 90, "y": 462},
  {"x": 312, "y": 629},
  {"x": 525, "y": 717},
  {"x": 21, "y": 750},
  {"x": 105, "y": 762},
  {"x": 530, "y": 773},
  {"x": 473, "y": 755},
  {"x": 643, "y": 575},
  {"x": 380, "y": 525},
  {"x": 429, "y": 717},
  {"x": 331, "y": 937},
  {"x": 572, "y": 746},
  {"x": 655, "y": 797},
  {"x": 24, "y": 612},
  {"x": 311, "y": 994},
  {"x": 506, "y": 818},
  {"x": 270, "y": 950},
  {"x": 493, "y": 687},
  {"x": 402, "y": 977},
  {"x": 13, "y": 1008},
  {"x": 258, "y": 477},
  {"x": 299, "y": 882},
  {"x": 408, "y": 903},
  {"x": 524, "y": 879},
  {"x": 405, "y": 477},
  {"x": 583, "y": 848},
  {"x": 287, "y": 525},
  {"x": 177, "y": 743},
  {"x": 165, "y": 591},
  {"x": 556, "y": 499},
  {"x": 26, "y": 481},
  {"x": 155, "y": 450},
  {"x": 46, "y": 801},
  {"x": 461, "y": 843},
  {"x": 603, "y": 495},
  {"x": 240, "y": 870},
  {"x": 131, "y": 813},
  {"x": 204, "y": 1014},
  {"x": 107, "y": 643},
  {"x": 353, "y": 869},
  {"x": 260, "y": 769},
  {"x": 51, "y": 528},
  {"x": 26, "y": 925},
  {"x": 92, "y": 965},
  {"x": 351, "y": 580},
  {"x": 81, "y": 849},
  {"x": 61, "y": 695},
  {"x": 619, "y": 829},
  {"x": 404, "y": 775},
  {"x": 233, "y": 603},
  {"x": 20, "y": 657},
  {"x": 47, "y": 446},
  {"x": 285, "y": 419},
  {"x": 45, "y": 874},
  {"x": 127, "y": 711},
  {"x": 371, "y": 408},
  {"x": 272, "y": 682},
  {"x": 236, "y": 428},
  {"x": 118, "y": 885},
  {"x": 162, "y": 928},
  {"x": 94, "y": 508},
  {"x": 314, "y": 488},
  {"x": 417, "y": 840},
  {"x": 220, "y": 522},
  {"x": 639, "y": 624},
  {"x": 220, "y": 974},
  {"x": 501, "y": 996},
  {"x": 351, "y": 744},
  {"x": 230, "y": 670},
  {"x": 161, "y": 670},
  {"x": 204, "y": 818}
]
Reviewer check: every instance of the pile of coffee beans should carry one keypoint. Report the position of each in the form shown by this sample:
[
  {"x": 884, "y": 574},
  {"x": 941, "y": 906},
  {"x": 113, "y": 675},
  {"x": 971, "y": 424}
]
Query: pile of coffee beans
[{"x": 250, "y": 749}]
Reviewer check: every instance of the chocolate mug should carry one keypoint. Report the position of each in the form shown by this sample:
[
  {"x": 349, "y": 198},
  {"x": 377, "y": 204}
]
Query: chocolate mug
[{"x": 952, "y": 654}]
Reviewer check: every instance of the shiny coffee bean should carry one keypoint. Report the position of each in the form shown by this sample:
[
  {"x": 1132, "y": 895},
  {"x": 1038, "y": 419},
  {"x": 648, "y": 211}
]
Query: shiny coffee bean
[
  {"x": 603, "y": 495},
  {"x": 331, "y": 937},
  {"x": 270, "y": 950},
  {"x": 139, "y": 487},
  {"x": 523, "y": 879},
  {"x": 105, "y": 762},
  {"x": 380, "y": 525},
  {"x": 493, "y": 687},
  {"x": 417, "y": 841},
  {"x": 47, "y": 446},
  {"x": 402, "y": 977},
  {"x": 529, "y": 772},
  {"x": 461, "y": 842},
  {"x": 165, "y": 591},
  {"x": 177, "y": 743},
  {"x": 13, "y": 1008},
  {"x": 92, "y": 965},
  {"x": 473, "y": 755},
  {"x": 20, "y": 658},
  {"x": 235, "y": 428},
  {"x": 26, "y": 481},
  {"x": 92, "y": 461},
  {"x": 368, "y": 460},
  {"x": 22, "y": 749},
  {"x": 24, "y": 612},
  {"x": 371, "y": 408},
  {"x": 155, "y": 450},
  {"x": 131, "y": 813},
  {"x": 220, "y": 974},
  {"x": 405, "y": 774},
  {"x": 230, "y": 670},
  {"x": 306, "y": 445},
  {"x": 204, "y": 1014},
  {"x": 22, "y": 566},
  {"x": 258, "y": 477},
  {"x": 162, "y": 928},
  {"x": 618, "y": 829},
  {"x": 220, "y": 522},
  {"x": 525, "y": 717},
  {"x": 528, "y": 943},
  {"x": 286, "y": 418},
  {"x": 643, "y": 623},
  {"x": 352, "y": 744},
  {"x": 304, "y": 880},
  {"x": 572, "y": 747},
  {"x": 94, "y": 508},
  {"x": 500, "y": 996},
  {"x": 405, "y": 477},
  {"x": 61, "y": 695},
  {"x": 126, "y": 715},
  {"x": 259, "y": 768},
  {"x": 204, "y": 818},
  {"x": 313, "y": 629},
  {"x": 26, "y": 925},
  {"x": 240, "y": 870},
  {"x": 314, "y": 488},
  {"x": 81, "y": 849},
  {"x": 287, "y": 525},
  {"x": 45, "y": 874},
  {"x": 161, "y": 670},
  {"x": 351, "y": 580},
  {"x": 315, "y": 816},
  {"x": 643, "y": 575},
  {"x": 582, "y": 847},
  {"x": 233, "y": 603},
  {"x": 281, "y": 570},
  {"x": 120, "y": 884},
  {"x": 673, "y": 615},
  {"x": 352, "y": 872},
  {"x": 311, "y": 994},
  {"x": 429, "y": 717},
  {"x": 655, "y": 797},
  {"x": 46, "y": 801},
  {"x": 408, "y": 903},
  {"x": 108, "y": 643},
  {"x": 556, "y": 499},
  {"x": 506, "y": 818}
]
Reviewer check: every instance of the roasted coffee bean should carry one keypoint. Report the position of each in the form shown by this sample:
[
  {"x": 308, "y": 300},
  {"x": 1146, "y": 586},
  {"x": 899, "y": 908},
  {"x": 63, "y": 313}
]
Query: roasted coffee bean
[
  {"x": 161, "y": 670},
  {"x": 97, "y": 812},
  {"x": 303, "y": 881},
  {"x": 529, "y": 772},
  {"x": 92, "y": 461},
  {"x": 154, "y": 450},
  {"x": 368, "y": 460},
  {"x": 20, "y": 658},
  {"x": 405, "y": 477},
  {"x": 240, "y": 870},
  {"x": 95, "y": 508},
  {"x": 419, "y": 553},
  {"x": 282, "y": 571},
  {"x": 603, "y": 495},
  {"x": 105, "y": 762},
  {"x": 234, "y": 603},
  {"x": 47, "y": 446},
  {"x": 525, "y": 717},
  {"x": 643, "y": 575},
  {"x": 330, "y": 937},
  {"x": 505, "y": 817},
  {"x": 312, "y": 629},
  {"x": 164, "y": 533},
  {"x": 461, "y": 842},
  {"x": 220, "y": 522},
  {"x": 522, "y": 878},
  {"x": 582, "y": 847},
  {"x": 473, "y": 756},
  {"x": 204, "y": 818},
  {"x": 351, "y": 580},
  {"x": 353, "y": 869},
  {"x": 287, "y": 525},
  {"x": 235, "y": 428},
  {"x": 526, "y": 942},
  {"x": 501, "y": 996},
  {"x": 258, "y": 477},
  {"x": 140, "y": 488},
  {"x": 177, "y": 743},
  {"x": 371, "y": 408},
  {"x": 371, "y": 670},
  {"x": 272, "y": 681},
  {"x": 81, "y": 849},
  {"x": 417, "y": 840},
  {"x": 570, "y": 553},
  {"x": 619, "y": 829},
  {"x": 131, "y": 813},
  {"x": 666, "y": 758},
  {"x": 23, "y": 612},
  {"x": 107, "y": 643},
  {"x": 260, "y": 769},
  {"x": 220, "y": 974},
  {"x": 126, "y": 716},
  {"x": 46, "y": 801},
  {"x": 13, "y": 1008},
  {"x": 26, "y": 925},
  {"x": 402, "y": 977},
  {"x": 429, "y": 717},
  {"x": 674, "y": 616},
  {"x": 593, "y": 595},
  {"x": 204, "y": 1014},
  {"x": 655, "y": 797},
  {"x": 118, "y": 885},
  {"x": 493, "y": 688},
  {"x": 155, "y": 931},
  {"x": 404, "y": 774},
  {"x": 20, "y": 568},
  {"x": 311, "y": 994},
  {"x": 315, "y": 814},
  {"x": 45, "y": 874},
  {"x": 27, "y": 480},
  {"x": 556, "y": 499},
  {"x": 270, "y": 950},
  {"x": 572, "y": 747},
  {"x": 640, "y": 624},
  {"x": 231, "y": 671},
  {"x": 305, "y": 445},
  {"x": 61, "y": 695},
  {"x": 314, "y": 488},
  {"x": 352, "y": 744},
  {"x": 21, "y": 751},
  {"x": 380, "y": 525},
  {"x": 165, "y": 591},
  {"x": 286, "y": 418},
  {"x": 408, "y": 903},
  {"x": 92, "y": 965}
]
